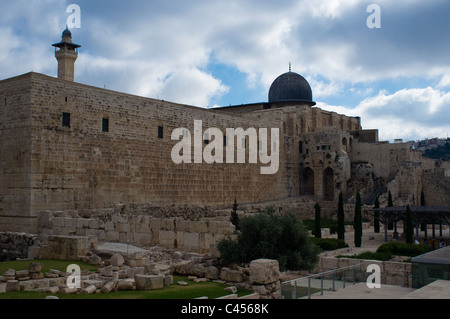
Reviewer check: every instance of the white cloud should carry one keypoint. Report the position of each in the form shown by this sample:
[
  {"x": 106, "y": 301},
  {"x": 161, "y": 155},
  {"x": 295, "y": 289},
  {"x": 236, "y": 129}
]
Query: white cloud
[
  {"x": 407, "y": 114},
  {"x": 163, "y": 49},
  {"x": 191, "y": 86}
]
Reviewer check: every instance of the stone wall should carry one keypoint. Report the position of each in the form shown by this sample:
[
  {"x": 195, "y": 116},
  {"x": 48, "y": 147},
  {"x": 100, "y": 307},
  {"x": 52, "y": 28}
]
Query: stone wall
[
  {"x": 15, "y": 245},
  {"x": 15, "y": 150},
  {"x": 392, "y": 273},
  {"x": 139, "y": 229},
  {"x": 82, "y": 167}
]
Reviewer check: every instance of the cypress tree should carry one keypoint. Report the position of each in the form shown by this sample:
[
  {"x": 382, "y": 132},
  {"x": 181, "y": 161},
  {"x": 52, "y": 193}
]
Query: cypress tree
[
  {"x": 408, "y": 226},
  {"x": 340, "y": 216},
  {"x": 390, "y": 204},
  {"x": 376, "y": 217},
  {"x": 358, "y": 221},
  {"x": 317, "y": 228},
  {"x": 234, "y": 219}
]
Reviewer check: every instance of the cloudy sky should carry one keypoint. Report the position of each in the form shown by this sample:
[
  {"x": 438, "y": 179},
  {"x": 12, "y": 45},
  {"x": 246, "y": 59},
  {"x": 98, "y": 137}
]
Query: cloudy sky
[{"x": 227, "y": 52}]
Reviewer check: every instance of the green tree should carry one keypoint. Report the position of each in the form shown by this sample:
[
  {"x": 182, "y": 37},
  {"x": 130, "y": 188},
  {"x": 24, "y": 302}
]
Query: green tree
[
  {"x": 268, "y": 235},
  {"x": 390, "y": 201},
  {"x": 340, "y": 217},
  {"x": 357, "y": 222},
  {"x": 390, "y": 204},
  {"x": 234, "y": 219},
  {"x": 376, "y": 217},
  {"x": 317, "y": 228},
  {"x": 408, "y": 226}
]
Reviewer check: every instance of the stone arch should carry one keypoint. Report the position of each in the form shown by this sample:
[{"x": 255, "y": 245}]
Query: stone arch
[
  {"x": 344, "y": 143},
  {"x": 328, "y": 184},
  {"x": 307, "y": 182}
]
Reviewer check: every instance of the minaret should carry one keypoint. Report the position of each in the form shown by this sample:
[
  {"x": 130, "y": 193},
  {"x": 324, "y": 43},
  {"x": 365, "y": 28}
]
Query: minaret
[{"x": 66, "y": 53}]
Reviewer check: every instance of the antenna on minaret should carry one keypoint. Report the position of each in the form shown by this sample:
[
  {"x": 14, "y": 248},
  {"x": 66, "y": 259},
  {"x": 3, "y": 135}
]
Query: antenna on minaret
[{"x": 289, "y": 66}]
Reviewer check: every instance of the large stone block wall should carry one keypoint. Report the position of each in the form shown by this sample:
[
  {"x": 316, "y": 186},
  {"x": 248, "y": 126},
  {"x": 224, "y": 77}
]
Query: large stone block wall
[
  {"x": 15, "y": 150},
  {"x": 106, "y": 225},
  {"x": 436, "y": 187},
  {"x": 385, "y": 157},
  {"x": 82, "y": 167}
]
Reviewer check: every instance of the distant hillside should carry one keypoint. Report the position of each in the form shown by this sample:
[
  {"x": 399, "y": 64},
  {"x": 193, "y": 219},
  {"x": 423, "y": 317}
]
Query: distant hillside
[{"x": 441, "y": 152}]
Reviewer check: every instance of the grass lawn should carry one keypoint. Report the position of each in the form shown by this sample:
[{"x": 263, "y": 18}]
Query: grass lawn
[{"x": 192, "y": 290}]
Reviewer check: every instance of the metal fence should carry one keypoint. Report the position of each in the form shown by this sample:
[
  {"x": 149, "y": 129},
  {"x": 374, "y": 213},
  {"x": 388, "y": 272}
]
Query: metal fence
[{"x": 331, "y": 280}]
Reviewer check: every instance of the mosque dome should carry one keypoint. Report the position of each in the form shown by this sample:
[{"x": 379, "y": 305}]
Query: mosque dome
[
  {"x": 66, "y": 33},
  {"x": 290, "y": 86}
]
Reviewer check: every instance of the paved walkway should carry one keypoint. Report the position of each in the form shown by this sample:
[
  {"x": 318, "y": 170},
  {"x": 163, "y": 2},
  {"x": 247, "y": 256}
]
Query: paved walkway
[
  {"x": 439, "y": 289},
  {"x": 361, "y": 291},
  {"x": 119, "y": 248}
]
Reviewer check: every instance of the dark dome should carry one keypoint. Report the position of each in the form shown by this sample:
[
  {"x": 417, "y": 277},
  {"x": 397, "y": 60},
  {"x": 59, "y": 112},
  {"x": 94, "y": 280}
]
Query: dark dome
[
  {"x": 66, "y": 33},
  {"x": 290, "y": 86}
]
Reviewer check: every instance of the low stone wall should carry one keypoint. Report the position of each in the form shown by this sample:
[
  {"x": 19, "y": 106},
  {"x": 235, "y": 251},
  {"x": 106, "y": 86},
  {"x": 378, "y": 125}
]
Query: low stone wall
[
  {"x": 198, "y": 236},
  {"x": 66, "y": 247},
  {"x": 392, "y": 273},
  {"x": 15, "y": 245}
]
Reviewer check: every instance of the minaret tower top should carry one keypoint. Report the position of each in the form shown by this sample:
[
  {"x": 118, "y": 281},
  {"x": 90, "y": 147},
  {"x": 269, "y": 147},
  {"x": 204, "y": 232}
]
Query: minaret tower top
[{"x": 66, "y": 52}]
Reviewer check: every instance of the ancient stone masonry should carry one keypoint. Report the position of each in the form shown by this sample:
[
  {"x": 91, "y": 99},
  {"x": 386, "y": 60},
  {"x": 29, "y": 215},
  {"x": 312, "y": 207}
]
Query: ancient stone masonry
[
  {"x": 66, "y": 146},
  {"x": 140, "y": 229},
  {"x": 16, "y": 245}
]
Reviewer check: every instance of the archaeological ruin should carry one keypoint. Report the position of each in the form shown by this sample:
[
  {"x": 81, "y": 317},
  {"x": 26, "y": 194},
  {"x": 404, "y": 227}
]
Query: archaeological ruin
[{"x": 78, "y": 160}]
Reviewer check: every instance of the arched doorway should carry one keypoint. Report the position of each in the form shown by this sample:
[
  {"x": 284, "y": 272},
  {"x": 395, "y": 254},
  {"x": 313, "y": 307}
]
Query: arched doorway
[
  {"x": 307, "y": 182},
  {"x": 328, "y": 184}
]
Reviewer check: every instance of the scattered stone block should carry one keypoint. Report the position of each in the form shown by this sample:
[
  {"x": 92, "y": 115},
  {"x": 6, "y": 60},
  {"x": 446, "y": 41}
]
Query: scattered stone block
[
  {"x": 198, "y": 280},
  {"x": 107, "y": 271},
  {"x": 125, "y": 285},
  {"x": 149, "y": 282},
  {"x": 97, "y": 283},
  {"x": 89, "y": 290},
  {"x": 182, "y": 283},
  {"x": 36, "y": 275},
  {"x": 26, "y": 285},
  {"x": 12, "y": 285},
  {"x": 108, "y": 287},
  {"x": 10, "y": 273},
  {"x": 64, "y": 290},
  {"x": 95, "y": 260},
  {"x": 212, "y": 273},
  {"x": 57, "y": 282},
  {"x": 264, "y": 271},
  {"x": 51, "y": 297},
  {"x": 133, "y": 271},
  {"x": 22, "y": 274},
  {"x": 117, "y": 260},
  {"x": 230, "y": 275},
  {"x": 231, "y": 289},
  {"x": 35, "y": 267},
  {"x": 168, "y": 280}
]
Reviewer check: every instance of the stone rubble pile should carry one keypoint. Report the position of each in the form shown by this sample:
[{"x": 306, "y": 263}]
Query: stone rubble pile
[{"x": 122, "y": 274}]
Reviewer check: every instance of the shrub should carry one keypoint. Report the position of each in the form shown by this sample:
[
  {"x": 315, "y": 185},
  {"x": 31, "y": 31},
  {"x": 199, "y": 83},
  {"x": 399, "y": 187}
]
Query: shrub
[
  {"x": 383, "y": 256},
  {"x": 401, "y": 249},
  {"x": 329, "y": 243},
  {"x": 267, "y": 235}
]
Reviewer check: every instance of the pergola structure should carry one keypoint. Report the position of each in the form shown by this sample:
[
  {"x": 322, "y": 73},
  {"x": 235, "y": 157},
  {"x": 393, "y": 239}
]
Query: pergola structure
[{"x": 419, "y": 215}]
